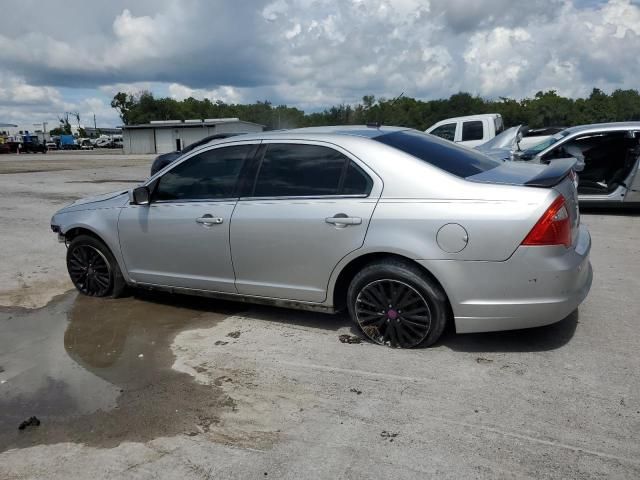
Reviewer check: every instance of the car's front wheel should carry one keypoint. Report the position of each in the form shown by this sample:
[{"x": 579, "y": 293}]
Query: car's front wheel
[
  {"x": 394, "y": 303},
  {"x": 92, "y": 268}
]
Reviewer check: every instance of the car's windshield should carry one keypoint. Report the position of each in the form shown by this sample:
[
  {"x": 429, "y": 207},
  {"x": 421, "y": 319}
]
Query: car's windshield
[
  {"x": 536, "y": 149},
  {"x": 459, "y": 161}
]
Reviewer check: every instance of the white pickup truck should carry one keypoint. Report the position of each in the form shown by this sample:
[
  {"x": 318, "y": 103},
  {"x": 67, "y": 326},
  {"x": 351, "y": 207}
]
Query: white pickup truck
[
  {"x": 470, "y": 131},
  {"x": 474, "y": 130}
]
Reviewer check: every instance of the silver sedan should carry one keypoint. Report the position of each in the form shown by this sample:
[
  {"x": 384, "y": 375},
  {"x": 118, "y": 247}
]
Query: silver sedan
[{"x": 406, "y": 231}]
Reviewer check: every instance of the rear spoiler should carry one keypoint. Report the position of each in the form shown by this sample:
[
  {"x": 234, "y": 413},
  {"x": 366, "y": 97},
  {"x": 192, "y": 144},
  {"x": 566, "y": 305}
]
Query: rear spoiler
[
  {"x": 553, "y": 174},
  {"x": 526, "y": 173}
]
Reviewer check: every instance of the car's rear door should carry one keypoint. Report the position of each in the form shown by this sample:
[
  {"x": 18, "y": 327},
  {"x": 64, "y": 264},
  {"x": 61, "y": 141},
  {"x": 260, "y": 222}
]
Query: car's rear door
[
  {"x": 309, "y": 206},
  {"x": 182, "y": 238}
]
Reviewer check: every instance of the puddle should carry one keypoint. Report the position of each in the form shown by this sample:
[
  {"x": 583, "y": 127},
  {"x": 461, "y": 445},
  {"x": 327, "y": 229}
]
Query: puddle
[{"x": 98, "y": 371}]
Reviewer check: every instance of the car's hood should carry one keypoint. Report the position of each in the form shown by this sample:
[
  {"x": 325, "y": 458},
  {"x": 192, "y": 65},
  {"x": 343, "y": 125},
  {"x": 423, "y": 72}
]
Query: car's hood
[
  {"x": 106, "y": 200},
  {"x": 98, "y": 198},
  {"x": 503, "y": 144}
]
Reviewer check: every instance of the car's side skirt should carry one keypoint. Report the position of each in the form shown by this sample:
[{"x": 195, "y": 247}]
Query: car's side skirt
[{"x": 236, "y": 297}]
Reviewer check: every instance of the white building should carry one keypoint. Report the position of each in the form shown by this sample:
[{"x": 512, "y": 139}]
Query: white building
[{"x": 169, "y": 135}]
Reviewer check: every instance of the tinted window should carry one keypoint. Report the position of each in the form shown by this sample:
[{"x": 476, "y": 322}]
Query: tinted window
[
  {"x": 210, "y": 174},
  {"x": 356, "y": 181},
  {"x": 448, "y": 131},
  {"x": 472, "y": 130},
  {"x": 299, "y": 170},
  {"x": 459, "y": 161}
]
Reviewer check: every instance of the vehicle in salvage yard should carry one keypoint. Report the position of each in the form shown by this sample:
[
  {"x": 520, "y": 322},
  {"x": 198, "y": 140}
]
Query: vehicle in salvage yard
[
  {"x": 608, "y": 155},
  {"x": 405, "y": 230}
]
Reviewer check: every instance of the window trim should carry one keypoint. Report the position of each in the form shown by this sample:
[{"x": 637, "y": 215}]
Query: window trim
[
  {"x": 154, "y": 181},
  {"x": 348, "y": 158}
]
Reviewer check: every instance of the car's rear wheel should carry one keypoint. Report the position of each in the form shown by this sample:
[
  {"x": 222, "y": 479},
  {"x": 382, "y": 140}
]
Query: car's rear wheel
[
  {"x": 92, "y": 268},
  {"x": 394, "y": 303}
]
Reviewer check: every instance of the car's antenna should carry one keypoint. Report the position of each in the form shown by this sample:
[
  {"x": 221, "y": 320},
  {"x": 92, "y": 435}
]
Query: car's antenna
[{"x": 379, "y": 123}]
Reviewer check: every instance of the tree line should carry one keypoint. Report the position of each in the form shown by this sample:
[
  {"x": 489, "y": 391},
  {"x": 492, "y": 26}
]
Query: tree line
[{"x": 545, "y": 109}]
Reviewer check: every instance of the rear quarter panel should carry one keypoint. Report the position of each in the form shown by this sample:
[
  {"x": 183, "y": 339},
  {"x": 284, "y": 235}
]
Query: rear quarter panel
[
  {"x": 495, "y": 228},
  {"x": 418, "y": 199}
]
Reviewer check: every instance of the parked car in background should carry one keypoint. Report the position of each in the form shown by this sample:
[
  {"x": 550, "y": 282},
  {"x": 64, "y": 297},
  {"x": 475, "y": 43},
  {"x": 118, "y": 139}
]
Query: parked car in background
[
  {"x": 469, "y": 131},
  {"x": 474, "y": 130},
  {"x": 165, "y": 159},
  {"x": 103, "y": 141},
  {"x": 51, "y": 145},
  {"x": 85, "y": 144},
  {"x": 300, "y": 219},
  {"x": 610, "y": 153},
  {"x": 117, "y": 142},
  {"x": 30, "y": 146}
]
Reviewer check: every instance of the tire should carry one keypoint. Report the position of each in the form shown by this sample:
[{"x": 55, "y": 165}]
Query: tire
[
  {"x": 378, "y": 294},
  {"x": 93, "y": 269}
]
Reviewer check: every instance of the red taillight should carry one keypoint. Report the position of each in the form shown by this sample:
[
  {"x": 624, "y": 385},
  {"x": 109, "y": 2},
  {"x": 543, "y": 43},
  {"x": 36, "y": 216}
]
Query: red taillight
[{"x": 553, "y": 228}]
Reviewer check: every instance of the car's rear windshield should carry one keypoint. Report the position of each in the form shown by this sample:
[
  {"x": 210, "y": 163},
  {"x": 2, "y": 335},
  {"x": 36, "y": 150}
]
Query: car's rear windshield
[{"x": 459, "y": 161}]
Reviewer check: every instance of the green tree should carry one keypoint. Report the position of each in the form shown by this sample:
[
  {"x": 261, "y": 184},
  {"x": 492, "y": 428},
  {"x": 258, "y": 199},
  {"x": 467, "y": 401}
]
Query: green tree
[
  {"x": 544, "y": 109},
  {"x": 123, "y": 102}
]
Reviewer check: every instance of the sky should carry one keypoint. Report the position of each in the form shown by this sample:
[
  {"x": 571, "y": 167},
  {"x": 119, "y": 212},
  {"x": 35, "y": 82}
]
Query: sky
[{"x": 61, "y": 56}]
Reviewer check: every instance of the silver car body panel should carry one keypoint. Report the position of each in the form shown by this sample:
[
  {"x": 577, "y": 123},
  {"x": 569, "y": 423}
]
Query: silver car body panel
[
  {"x": 289, "y": 228},
  {"x": 282, "y": 250},
  {"x": 163, "y": 244}
]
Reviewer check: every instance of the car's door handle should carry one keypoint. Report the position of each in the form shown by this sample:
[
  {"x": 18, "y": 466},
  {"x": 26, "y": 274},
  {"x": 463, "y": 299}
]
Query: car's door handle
[
  {"x": 343, "y": 220},
  {"x": 209, "y": 220}
]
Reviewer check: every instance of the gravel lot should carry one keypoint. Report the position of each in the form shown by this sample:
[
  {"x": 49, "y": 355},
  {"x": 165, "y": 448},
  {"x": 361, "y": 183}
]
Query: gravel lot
[{"x": 158, "y": 386}]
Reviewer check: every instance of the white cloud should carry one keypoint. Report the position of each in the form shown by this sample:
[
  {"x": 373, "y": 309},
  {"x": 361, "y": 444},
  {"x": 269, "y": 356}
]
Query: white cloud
[
  {"x": 315, "y": 53},
  {"x": 224, "y": 93},
  {"x": 24, "y": 104}
]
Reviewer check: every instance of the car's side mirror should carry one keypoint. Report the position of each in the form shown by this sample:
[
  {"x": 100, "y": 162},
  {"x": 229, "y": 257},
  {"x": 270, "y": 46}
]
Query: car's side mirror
[{"x": 140, "y": 196}]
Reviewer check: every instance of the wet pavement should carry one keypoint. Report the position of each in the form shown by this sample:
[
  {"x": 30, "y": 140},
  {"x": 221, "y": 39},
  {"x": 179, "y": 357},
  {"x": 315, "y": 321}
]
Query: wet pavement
[{"x": 98, "y": 371}]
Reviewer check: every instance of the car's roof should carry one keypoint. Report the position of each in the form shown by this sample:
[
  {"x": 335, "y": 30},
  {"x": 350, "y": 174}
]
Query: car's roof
[
  {"x": 469, "y": 117},
  {"x": 611, "y": 126},
  {"x": 318, "y": 133}
]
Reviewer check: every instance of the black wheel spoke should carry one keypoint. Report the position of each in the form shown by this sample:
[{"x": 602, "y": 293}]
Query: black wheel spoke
[
  {"x": 392, "y": 334},
  {"x": 89, "y": 270},
  {"x": 412, "y": 327},
  {"x": 381, "y": 312},
  {"x": 380, "y": 299},
  {"x": 373, "y": 321},
  {"x": 414, "y": 312},
  {"x": 406, "y": 294}
]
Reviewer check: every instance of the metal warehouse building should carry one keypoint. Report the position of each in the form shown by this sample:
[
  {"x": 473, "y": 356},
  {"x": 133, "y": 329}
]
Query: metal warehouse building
[{"x": 170, "y": 135}]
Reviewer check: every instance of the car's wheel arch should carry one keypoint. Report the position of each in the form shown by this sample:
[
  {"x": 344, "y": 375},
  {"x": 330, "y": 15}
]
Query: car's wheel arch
[
  {"x": 346, "y": 270},
  {"x": 75, "y": 230}
]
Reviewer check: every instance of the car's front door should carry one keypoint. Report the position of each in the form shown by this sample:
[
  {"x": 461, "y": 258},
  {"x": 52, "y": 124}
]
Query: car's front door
[
  {"x": 182, "y": 238},
  {"x": 309, "y": 207}
]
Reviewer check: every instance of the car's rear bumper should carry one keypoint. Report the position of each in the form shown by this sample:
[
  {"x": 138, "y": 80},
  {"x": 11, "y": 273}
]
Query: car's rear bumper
[{"x": 536, "y": 286}]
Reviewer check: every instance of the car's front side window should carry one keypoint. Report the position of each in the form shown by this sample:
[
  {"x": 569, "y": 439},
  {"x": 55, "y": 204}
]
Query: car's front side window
[
  {"x": 298, "y": 170},
  {"x": 448, "y": 131},
  {"x": 209, "y": 175}
]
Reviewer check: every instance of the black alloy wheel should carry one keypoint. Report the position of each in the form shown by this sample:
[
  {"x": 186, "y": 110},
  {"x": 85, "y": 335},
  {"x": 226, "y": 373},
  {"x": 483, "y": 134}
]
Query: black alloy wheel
[
  {"x": 391, "y": 312},
  {"x": 89, "y": 270}
]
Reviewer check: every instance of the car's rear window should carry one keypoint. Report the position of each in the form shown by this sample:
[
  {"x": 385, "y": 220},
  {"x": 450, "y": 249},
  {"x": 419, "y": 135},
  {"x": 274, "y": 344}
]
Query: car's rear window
[{"x": 459, "y": 161}]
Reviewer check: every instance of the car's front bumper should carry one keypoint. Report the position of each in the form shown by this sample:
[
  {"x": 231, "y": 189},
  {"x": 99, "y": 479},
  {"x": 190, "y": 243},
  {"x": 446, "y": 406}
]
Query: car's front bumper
[{"x": 536, "y": 286}]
